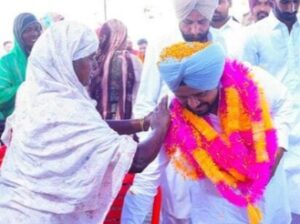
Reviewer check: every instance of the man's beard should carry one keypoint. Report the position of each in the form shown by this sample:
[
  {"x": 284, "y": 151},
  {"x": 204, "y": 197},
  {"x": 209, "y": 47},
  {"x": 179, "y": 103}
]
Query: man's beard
[
  {"x": 218, "y": 17},
  {"x": 201, "y": 37},
  {"x": 210, "y": 108},
  {"x": 261, "y": 15},
  {"x": 286, "y": 16}
]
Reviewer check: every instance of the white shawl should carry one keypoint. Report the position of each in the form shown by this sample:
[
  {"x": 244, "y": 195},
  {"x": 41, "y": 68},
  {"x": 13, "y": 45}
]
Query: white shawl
[{"x": 62, "y": 157}]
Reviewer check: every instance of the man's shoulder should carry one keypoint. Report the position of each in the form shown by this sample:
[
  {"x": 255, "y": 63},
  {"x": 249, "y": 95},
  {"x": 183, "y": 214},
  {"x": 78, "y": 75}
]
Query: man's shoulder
[
  {"x": 259, "y": 33},
  {"x": 263, "y": 27},
  {"x": 266, "y": 79}
]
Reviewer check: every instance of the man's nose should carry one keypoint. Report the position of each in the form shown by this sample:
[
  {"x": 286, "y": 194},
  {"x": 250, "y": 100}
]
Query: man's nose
[{"x": 195, "y": 29}]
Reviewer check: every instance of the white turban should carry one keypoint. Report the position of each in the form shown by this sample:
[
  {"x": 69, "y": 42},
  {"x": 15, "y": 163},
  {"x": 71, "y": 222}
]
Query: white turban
[{"x": 184, "y": 7}]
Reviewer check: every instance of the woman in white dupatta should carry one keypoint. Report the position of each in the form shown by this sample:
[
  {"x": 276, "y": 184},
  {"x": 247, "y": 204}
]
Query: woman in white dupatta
[{"x": 63, "y": 163}]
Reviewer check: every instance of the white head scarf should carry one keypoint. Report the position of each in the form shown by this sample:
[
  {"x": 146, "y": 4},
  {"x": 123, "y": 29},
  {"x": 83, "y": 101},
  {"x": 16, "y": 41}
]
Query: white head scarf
[
  {"x": 62, "y": 157},
  {"x": 184, "y": 7}
]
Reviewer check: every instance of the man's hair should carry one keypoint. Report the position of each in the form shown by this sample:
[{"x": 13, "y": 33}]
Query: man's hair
[
  {"x": 7, "y": 42},
  {"x": 142, "y": 41}
]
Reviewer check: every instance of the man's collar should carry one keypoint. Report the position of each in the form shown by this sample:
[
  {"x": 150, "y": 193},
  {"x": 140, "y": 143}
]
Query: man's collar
[
  {"x": 229, "y": 24},
  {"x": 275, "y": 23}
]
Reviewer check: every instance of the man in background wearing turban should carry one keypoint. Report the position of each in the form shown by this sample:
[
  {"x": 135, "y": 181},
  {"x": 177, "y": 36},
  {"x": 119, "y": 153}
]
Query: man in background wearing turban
[
  {"x": 221, "y": 100},
  {"x": 192, "y": 24}
]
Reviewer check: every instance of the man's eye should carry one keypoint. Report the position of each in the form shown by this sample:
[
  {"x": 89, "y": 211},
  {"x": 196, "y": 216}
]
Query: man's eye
[
  {"x": 202, "y": 94},
  {"x": 182, "y": 98},
  {"x": 187, "y": 22}
]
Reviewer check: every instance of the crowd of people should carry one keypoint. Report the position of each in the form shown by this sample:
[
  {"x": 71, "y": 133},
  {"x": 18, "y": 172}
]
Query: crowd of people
[{"x": 207, "y": 112}]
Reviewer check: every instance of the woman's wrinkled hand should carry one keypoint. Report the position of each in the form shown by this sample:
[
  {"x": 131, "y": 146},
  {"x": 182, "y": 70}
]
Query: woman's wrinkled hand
[{"x": 160, "y": 117}]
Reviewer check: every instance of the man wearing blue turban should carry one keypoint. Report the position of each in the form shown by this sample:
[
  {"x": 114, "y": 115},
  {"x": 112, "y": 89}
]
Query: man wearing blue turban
[
  {"x": 200, "y": 72},
  {"x": 201, "y": 78},
  {"x": 192, "y": 19},
  {"x": 194, "y": 75}
]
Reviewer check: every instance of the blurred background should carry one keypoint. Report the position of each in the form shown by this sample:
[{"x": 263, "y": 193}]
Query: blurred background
[{"x": 142, "y": 17}]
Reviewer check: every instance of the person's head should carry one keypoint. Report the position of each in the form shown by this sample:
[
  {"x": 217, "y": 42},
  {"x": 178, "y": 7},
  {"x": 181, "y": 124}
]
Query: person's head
[
  {"x": 260, "y": 9},
  {"x": 7, "y": 45},
  {"x": 129, "y": 46},
  {"x": 112, "y": 36},
  {"x": 194, "y": 18},
  {"x": 198, "y": 101},
  {"x": 50, "y": 18},
  {"x": 63, "y": 55},
  {"x": 221, "y": 14},
  {"x": 27, "y": 30},
  {"x": 286, "y": 10},
  {"x": 142, "y": 43},
  {"x": 193, "y": 72},
  {"x": 83, "y": 68}
]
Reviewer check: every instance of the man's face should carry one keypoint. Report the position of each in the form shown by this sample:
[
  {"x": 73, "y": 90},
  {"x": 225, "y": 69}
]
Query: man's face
[
  {"x": 261, "y": 9},
  {"x": 194, "y": 27},
  {"x": 222, "y": 11},
  {"x": 142, "y": 47},
  {"x": 286, "y": 10},
  {"x": 199, "y": 102},
  {"x": 31, "y": 34}
]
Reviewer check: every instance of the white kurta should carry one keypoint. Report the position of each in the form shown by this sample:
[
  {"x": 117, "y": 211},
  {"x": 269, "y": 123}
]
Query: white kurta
[
  {"x": 63, "y": 163},
  {"x": 270, "y": 46},
  {"x": 233, "y": 34}
]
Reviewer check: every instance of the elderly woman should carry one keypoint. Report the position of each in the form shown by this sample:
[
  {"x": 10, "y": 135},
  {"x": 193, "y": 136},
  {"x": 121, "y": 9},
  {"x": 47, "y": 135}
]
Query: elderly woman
[
  {"x": 64, "y": 164},
  {"x": 26, "y": 29}
]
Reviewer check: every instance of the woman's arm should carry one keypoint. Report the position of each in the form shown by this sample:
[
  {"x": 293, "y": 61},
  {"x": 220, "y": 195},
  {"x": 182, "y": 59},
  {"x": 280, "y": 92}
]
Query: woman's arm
[
  {"x": 130, "y": 126},
  {"x": 149, "y": 148}
]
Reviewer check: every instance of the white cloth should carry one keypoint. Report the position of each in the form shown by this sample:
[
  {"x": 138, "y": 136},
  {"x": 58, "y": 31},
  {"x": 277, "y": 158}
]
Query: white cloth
[
  {"x": 63, "y": 159},
  {"x": 270, "y": 46},
  {"x": 184, "y": 7},
  {"x": 233, "y": 34},
  {"x": 182, "y": 201}
]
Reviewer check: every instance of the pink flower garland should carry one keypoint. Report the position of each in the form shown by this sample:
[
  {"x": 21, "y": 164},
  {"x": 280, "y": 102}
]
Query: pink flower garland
[{"x": 229, "y": 151}]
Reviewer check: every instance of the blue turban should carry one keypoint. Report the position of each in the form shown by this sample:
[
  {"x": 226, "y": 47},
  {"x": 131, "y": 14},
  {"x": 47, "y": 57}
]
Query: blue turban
[{"x": 202, "y": 70}]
